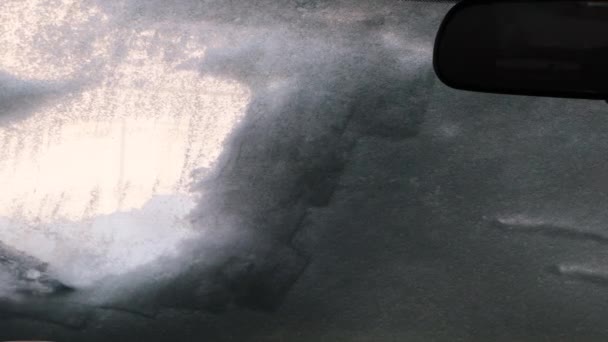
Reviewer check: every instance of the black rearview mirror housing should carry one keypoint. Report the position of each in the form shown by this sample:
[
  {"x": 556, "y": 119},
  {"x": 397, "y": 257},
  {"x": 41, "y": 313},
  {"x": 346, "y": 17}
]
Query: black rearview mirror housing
[{"x": 525, "y": 47}]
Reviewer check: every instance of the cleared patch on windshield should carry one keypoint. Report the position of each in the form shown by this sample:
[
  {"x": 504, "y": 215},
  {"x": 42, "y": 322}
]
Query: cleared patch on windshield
[{"x": 96, "y": 180}]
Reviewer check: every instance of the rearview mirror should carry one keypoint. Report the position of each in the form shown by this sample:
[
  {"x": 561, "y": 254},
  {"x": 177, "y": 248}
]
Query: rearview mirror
[{"x": 527, "y": 47}]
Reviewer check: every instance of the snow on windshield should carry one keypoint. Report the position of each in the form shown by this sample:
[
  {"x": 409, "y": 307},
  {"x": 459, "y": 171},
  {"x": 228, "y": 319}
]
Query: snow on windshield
[
  {"x": 104, "y": 133},
  {"x": 111, "y": 105}
]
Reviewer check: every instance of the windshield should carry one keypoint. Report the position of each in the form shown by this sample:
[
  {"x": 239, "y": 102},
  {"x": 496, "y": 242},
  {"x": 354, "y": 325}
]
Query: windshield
[{"x": 291, "y": 170}]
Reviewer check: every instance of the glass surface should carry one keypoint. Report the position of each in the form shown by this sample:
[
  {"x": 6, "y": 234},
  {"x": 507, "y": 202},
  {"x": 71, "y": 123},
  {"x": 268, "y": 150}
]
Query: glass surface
[
  {"x": 284, "y": 171},
  {"x": 96, "y": 176}
]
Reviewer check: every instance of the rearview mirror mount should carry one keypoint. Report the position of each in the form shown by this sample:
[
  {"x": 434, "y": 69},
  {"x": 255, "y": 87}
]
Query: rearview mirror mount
[{"x": 525, "y": 47}]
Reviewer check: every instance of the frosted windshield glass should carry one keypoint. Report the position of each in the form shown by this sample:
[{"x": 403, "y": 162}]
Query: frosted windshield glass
[{"x": 96, "y": 176}]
